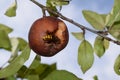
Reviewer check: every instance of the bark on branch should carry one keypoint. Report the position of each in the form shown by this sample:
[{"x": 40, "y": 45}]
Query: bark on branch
[{"x": 100, "y": 33}]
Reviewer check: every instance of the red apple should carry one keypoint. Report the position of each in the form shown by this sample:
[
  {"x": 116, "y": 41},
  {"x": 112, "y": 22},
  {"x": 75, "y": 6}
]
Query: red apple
[{"x": 48, "y": 36}]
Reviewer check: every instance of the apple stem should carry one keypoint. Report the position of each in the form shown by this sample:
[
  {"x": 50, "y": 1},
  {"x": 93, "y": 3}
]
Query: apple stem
[{"x": 43, "y": 11}]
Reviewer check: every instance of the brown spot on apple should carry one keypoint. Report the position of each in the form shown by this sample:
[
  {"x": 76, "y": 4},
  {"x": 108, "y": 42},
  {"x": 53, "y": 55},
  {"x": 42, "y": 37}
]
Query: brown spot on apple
[{"x": 48, "y": 36}]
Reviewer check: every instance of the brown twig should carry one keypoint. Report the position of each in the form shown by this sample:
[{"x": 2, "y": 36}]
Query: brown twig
[
  {"x": 43, "y": 11},
  {"x": 75, "y": 23}
]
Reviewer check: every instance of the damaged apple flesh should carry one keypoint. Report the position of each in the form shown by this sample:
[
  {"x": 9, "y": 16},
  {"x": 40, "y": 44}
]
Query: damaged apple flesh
[{"x": 48, "y": 36}]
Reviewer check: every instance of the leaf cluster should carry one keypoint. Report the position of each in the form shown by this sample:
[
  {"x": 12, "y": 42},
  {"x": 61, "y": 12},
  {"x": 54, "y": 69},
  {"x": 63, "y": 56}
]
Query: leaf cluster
[
  {"x": 105, "y": 24},
  {"x": 20, "y": 52}
]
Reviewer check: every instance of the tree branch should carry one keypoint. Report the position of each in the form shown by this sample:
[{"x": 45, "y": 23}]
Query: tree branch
[{"x": 75, "y": 23}]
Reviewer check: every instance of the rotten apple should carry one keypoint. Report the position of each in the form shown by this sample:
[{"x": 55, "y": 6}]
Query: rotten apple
[{"x": 48, "y": 35}]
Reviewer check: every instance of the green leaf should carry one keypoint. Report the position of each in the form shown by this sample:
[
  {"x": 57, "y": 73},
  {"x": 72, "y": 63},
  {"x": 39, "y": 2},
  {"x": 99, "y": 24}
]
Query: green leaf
[
  {"x": 99, "y": 47},
  {"x": 41, "y": 68},
  {"x": 4, "y": 40},
  {"x": 115, "y": 31},
  {"x": 61, "y": 75},
  {"x": 103, "y": 17},
  {"x": 22, "y": 44},
  {"x": 46, "y": 70},
  {"x": 117, "y": 65},
  {"x": 53, "y": 3},
  {"x": 16, "y": 64},
  {"x": 22, "y": 71},
  {"x": 85, "y": 55},
  {"x": 106, "y": 44},
  {"x": 26, "y": 72},
  {"x": 5, "y": 28},
  {"x": 33, "y": 77},
  {"x": 35, "y": 63},
  {"x": 95, "y": 19},
  {"x": 18, "y": 44},
  {"x": 49, "y": 4},
  {"x": 58, "y": 2},
  {"x": 10, "y": 78},
  {"x": 95, "y": 77},
  {"x": 11, "y": 11},
  {"x": 38, "y": 69},
  {"x": 15, "y": 49},
  {"x": 114, "y": 15},
  {"x": 78, "y": 35}
]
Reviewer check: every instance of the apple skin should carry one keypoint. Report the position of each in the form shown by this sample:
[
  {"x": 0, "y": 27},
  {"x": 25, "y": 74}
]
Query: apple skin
[{"x": 48, "y": 35}]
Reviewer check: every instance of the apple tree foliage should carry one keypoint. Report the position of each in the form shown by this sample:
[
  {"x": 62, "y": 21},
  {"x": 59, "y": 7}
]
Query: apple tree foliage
[{"x": 109, "y": 23}]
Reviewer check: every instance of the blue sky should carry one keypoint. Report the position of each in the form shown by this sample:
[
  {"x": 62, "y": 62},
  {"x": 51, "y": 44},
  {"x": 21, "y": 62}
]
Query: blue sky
[{"x": 28, "y": 12}]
